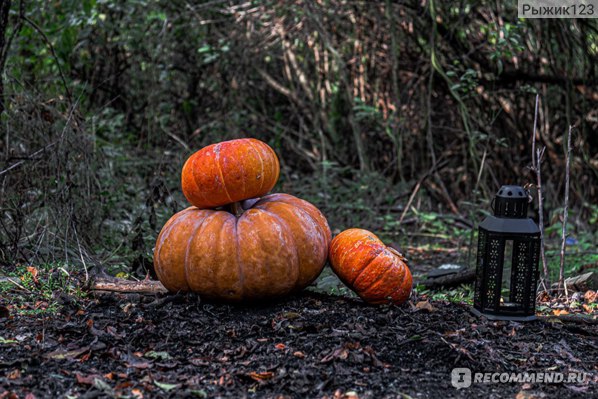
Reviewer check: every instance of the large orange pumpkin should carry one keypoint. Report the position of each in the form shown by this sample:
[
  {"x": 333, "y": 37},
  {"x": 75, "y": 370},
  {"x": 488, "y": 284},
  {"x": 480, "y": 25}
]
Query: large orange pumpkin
[
  {"x": 377, "y": 273},
  {"x": 277, "y": 246},
  {"x": 228, "y": 172}
]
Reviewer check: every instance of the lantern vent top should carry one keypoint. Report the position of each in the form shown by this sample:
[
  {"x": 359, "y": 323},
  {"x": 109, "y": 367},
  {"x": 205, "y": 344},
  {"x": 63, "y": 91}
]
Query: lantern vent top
[{"x": 511, "y": 202}]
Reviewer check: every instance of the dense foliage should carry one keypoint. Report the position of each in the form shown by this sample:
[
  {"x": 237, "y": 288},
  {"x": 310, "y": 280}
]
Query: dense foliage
[{"x": 103, "y": 101}]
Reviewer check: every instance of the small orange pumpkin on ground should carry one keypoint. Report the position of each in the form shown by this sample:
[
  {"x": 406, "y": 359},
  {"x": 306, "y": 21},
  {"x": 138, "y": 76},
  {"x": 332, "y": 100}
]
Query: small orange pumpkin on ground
[
  {"x": 228, "y": 172},
  {"x": 276, "y": 246},
  {"x": 377, "y": 273}
]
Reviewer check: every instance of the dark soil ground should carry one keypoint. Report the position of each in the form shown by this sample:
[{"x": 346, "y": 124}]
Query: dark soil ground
[{"x": 311, "y": 345}]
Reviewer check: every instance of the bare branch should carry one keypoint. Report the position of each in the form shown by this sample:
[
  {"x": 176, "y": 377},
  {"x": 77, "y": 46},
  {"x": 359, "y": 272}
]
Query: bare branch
[
  {"x": 534, "y": 166},
  {"x": 565, "y": 213},
  {"x": 54, "y": 55},
  {"x": 539, "y": 155},
  {"x": 278, "y": 86}
]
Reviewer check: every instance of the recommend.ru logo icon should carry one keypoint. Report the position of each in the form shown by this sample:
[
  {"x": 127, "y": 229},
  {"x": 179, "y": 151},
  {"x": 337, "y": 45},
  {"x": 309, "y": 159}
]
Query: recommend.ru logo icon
[{"x": 461, "y": 378}]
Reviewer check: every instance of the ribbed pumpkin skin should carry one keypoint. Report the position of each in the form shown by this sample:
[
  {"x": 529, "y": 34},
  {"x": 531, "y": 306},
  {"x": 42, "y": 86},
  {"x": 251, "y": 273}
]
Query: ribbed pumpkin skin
[
  {"x": 276, "y": 247},
  {"x": 377, "y": 274},
  {"x": 228, "y": 172}
]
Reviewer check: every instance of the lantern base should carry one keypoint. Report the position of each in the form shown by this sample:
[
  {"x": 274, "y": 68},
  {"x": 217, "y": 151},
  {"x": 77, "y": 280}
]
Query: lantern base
[{"x": 502, "y": 317}]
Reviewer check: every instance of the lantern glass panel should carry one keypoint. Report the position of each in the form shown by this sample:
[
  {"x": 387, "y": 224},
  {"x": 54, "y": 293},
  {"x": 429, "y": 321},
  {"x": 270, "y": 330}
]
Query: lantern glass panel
[{"x": 505, "y": 290}]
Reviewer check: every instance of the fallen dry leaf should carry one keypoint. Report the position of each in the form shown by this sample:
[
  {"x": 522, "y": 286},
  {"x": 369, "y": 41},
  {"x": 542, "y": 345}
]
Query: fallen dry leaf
[
  {"x": 198, "y": 361},
  {"x": 529, "y": 395},
  {"x": 591, "y": 296},
  {"x": 14, "y": 374},
  {"x": 578, "y": 388},
  {"x": 158, "y": 355},
  {"x": 280, "y": 346},
  {"x": 87, "y": 379},
  {"x": 291, "y": 315},
  {"x": 425, "y": 305},
  {"x": 261, "y": 376},
  {"x": 166, "y": 386},
  {"x": 587, "y": 308},
  {"x": 138, "y": 364},
  {"x": 124, "y": 385},
  {"x": 339, "y": 353},
  {"x": 33, "y": 271},
  {"x": 559, "y": 312},
  {"x": 339, "y": 394},
  {"x": 543, "y": 296},
  {"x": 299, "y": 354},
  {"x": 70, "y": 354},
  {"x": 109, "y": 376},
  {"x": 455, "y": 333}
]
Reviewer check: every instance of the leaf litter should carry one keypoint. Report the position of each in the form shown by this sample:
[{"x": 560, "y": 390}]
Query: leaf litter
[{"x": 309, "y": 345}]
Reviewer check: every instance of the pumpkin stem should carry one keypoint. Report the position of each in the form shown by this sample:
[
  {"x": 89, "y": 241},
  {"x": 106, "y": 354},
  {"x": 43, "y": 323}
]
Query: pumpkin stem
[
  {"x": 235, "y": 208},
  {"x": 395, "y": 252}
]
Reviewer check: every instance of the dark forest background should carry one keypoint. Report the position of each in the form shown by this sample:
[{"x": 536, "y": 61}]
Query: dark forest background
[{"x": 368, "y": 105}]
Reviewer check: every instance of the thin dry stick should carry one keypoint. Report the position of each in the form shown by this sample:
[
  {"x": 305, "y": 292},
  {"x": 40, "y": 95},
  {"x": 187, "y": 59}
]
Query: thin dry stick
[
  {"x": 539, "y": 155},
  {"x": 10, "y": 280},
  {"x": 415, "y": 190},
  {"x": 565, "y": 214},
  {"x": 477, "y": 182},
  {"x": 411, "y": 197},
  {"x": 28, "y": 157},
  {"x": 534, "y": 166},
  {"x": 536, "y": 159},
  {"x": 475, "y": 195},
  {"x": 81, "y": 254}
]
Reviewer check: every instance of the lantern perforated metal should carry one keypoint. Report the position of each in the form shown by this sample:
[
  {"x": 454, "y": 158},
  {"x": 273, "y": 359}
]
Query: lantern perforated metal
[{"x": 507, "y": 259}]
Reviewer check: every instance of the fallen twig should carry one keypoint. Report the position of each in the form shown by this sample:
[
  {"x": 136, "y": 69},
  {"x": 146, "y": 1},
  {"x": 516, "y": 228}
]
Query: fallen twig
[
  {"x": 569, "y": 318},
  {"x": 10, "y": 280},
  {"x": 451, "y": 280},
  {"x": 128, "y": 286}
]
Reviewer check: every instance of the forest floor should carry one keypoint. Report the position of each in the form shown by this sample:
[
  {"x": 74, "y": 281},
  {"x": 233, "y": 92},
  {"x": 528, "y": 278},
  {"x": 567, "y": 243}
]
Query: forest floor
[{"x": 310, "y": 345}]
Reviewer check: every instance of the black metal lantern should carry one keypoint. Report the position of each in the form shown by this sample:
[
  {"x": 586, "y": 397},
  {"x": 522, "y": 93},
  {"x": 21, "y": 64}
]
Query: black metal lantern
[{"x": 507, "y": 259}]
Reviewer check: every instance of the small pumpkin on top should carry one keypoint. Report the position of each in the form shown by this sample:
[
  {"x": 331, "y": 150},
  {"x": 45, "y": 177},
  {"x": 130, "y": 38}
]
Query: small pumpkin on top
[
  {"x": 377, "y": 273},
  {"x": 228, "y": 172}
]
